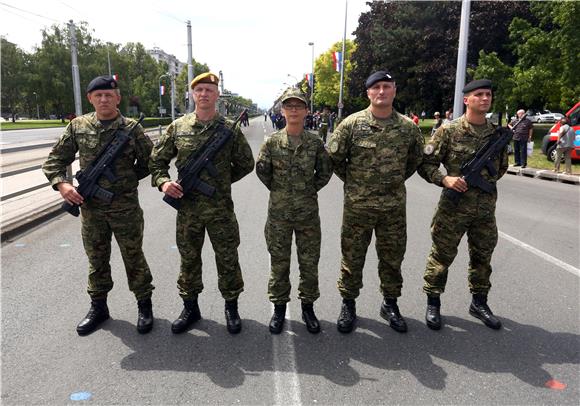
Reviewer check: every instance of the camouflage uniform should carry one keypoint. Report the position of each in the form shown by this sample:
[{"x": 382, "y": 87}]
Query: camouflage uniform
[
  {"x": 123, "y": 217},
  {"x": 452, "y": 144},
  {"x": 374, "y": 163},
  {"x": 198, "y": 212},
  {"x": 293, "y": 176},
  {"x": 323, "y": 130}
]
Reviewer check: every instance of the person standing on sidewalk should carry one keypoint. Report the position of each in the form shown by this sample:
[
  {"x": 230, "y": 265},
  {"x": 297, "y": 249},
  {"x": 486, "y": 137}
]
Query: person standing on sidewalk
[
  {"x": 522, "y": 135},
  {"x": 373, "y": 152},
  {"x": 199, "y": 213},
  {"x": 294, "y": 166},
  {"x": 564, "y": 145},
  {"x": 122, "y": 217},
  {"x": 452, "y": 145}
]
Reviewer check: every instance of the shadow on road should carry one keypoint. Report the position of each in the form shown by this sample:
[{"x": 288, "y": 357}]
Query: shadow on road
[{"x": 517, "y": 349}]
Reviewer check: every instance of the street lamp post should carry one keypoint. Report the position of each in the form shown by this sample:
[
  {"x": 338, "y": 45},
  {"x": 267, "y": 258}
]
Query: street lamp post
[
  {"x": 312, "y": 80},
  {"x": 160, "y": 101},
  {"x": 37, "y": 109}
]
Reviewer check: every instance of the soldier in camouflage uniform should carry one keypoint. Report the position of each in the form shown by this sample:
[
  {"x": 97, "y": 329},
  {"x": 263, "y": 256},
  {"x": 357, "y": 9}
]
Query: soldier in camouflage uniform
[
  {"x": 452, "y": 144},
  {"x": 374, "y": 151},
  {"x": 199, "y": 212},
  {"x": 324, "y": 122},
  {"x": 294, "y": 166},
  {"x": 123, "y": 217}
]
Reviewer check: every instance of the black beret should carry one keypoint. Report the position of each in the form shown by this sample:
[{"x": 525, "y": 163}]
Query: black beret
[
  {"x": 380, "y": 76},
  {"x": 102, "y": 83},
  {"x": 477, "y": 84}
]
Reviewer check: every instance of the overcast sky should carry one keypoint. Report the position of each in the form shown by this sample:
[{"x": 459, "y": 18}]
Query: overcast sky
[{"x": 256, "y": 43}]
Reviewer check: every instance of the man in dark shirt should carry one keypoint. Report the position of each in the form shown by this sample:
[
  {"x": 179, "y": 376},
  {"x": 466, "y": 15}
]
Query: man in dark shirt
[{"x": 522, "y": 135}]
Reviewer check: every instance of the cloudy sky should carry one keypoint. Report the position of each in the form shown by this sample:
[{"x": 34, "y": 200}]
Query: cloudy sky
[{"x": 256, "y": 43}]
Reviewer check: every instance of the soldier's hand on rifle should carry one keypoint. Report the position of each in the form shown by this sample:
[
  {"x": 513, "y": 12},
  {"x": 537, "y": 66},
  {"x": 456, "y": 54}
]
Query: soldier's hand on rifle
[
  {"x": 456, "y": 183},
  {"x": 69, "y": 193},
  {"x": 172, "y": 189}
]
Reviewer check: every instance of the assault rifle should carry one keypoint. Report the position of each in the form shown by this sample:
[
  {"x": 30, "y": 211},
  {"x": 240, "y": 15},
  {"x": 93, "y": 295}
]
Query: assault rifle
[
  {"x": 188, "y": 174},
  {"x": 483, "y": 158},
  {"x": 88, "y": 178}
]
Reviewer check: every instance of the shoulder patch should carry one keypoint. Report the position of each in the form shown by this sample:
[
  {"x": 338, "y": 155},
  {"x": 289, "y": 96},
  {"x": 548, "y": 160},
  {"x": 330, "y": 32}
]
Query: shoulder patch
[
  {"x": 333, "y": 146},
  {"x": 429, "y": 148}
]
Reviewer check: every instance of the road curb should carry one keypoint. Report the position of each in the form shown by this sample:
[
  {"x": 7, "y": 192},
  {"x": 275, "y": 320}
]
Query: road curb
[
  {"x": 30, "y": 220},
  {"x": 544, "y": 174}
]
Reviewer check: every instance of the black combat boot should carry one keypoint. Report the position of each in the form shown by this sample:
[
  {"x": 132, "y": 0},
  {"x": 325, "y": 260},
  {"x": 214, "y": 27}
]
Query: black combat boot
[
  {"x": 309, "y": 318},
  {"x": 390, "y": 312},
  {"x": 347, "y": 316},
  {"x": 481, "y": 310},
  {"x": 98, "y": 313},
  {"x": 233, "y": 321},
  {"x": 433, "y": 315},
  {"x": 145, "y": 316},
  {"x": 189, "y": 315},
  {"x": 277, "y": 320}
]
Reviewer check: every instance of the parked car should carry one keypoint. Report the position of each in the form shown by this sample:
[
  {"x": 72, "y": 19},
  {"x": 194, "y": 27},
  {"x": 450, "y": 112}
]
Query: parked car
[
  {"x": 549, "y": 141},
  {"x": 543, "y": 116}
]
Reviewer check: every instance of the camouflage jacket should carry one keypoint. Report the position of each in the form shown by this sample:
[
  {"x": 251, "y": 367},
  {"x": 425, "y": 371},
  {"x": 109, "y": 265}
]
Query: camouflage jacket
[
  {"x": 185, "y": 136},
  {"x": 87, "y": 136},
  {"x": 374, "y": 162},
  {"x": 453, "y": 144},
  {"x": 293, "y": 175}
]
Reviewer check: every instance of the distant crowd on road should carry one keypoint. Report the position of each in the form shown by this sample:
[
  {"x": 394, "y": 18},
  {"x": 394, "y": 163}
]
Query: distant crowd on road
[{"x": 372, "y": 152}]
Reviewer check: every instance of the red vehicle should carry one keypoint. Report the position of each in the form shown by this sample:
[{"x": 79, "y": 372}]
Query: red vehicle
[{"x": 549, "y": 141}]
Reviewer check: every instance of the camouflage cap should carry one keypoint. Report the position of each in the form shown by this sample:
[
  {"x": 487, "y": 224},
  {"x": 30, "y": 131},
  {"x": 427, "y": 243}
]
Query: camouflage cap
[
  {"x": 294, "y": 93},
  {"x": 206, "y": 77},
  {"x": 102, "y": 83}
]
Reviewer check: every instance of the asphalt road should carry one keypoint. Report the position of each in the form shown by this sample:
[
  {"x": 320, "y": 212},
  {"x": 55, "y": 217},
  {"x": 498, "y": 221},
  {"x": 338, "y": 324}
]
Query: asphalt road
[
  {"x": 30, "y": 135},
  {"x": 534, "y": 359}
]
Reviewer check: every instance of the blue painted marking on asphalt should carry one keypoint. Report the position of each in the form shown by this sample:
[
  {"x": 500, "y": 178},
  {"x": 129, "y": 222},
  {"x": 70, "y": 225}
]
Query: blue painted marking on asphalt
[
  {"x": 174, "y": 247},
  {"x": 64, "y": 245},
  {"x": 20, "y": 244},
  {"x": 81, "y": 396}
]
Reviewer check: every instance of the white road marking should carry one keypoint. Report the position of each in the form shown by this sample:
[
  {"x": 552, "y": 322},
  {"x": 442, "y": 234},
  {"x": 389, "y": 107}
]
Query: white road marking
[
  {"x": 286, "y": 382},
  {"x": 567, "y": 267}
]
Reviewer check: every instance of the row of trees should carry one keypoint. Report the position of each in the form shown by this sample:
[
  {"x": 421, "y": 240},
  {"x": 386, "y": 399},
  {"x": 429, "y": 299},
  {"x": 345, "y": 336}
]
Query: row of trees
[
  {"x": 44, "y": 78},
  {"x": 527, "y": 48}
]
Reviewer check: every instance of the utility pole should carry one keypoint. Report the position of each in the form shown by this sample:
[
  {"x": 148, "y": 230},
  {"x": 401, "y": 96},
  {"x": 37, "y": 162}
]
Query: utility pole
[
  {"x": 75, "y": 69},
  {"x": 172, "y": 96},
  {"x": 461, "y": 58},
  {"x": 109, "y": 60},
  {"x": 340, "y": 103},
  {"x": 312, "y": 80},
  {"x": 190, "y": 105},
  {"x": 221, "y": 82}
]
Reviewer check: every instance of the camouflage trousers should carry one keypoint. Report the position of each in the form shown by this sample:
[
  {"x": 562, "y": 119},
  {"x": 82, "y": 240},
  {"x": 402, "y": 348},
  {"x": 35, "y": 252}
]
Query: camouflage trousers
[
  {"x": 476, "y": 217},
  {"x": 127, "y": 225},
  {"x": 223, "y": 231},
  {"x": 323, "y": 132},
  {"x": 278, "y": 235},
  {"x": 391, "y": 238}
]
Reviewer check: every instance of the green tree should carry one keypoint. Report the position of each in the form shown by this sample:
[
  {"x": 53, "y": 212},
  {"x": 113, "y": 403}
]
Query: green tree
[
  {"x": 14, "y": 78},
  {"x": 417, "y": 43},
  {"x": 327, "y": 79}
]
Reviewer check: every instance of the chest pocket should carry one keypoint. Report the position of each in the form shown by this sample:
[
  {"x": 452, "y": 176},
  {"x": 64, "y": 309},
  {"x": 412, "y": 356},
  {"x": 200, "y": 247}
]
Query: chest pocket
[
  {"x": 186, "y": 143},
  {"x": 281, "y": 161},
  {"x": 87, "y": 139}
]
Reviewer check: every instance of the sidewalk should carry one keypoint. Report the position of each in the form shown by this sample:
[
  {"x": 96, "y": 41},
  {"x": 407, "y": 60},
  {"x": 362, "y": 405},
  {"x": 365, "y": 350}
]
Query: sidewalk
[{"x": 544, "y": 174}]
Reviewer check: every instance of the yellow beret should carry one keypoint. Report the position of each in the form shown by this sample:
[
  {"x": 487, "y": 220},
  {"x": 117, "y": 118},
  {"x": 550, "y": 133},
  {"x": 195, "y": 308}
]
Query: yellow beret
[{"x": 206, "y": 77}]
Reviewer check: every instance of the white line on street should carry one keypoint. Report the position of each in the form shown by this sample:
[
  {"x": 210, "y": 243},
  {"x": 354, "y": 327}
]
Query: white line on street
[
  {"x": 573, "y": 270},
  {"x": 286, "y": 382}
]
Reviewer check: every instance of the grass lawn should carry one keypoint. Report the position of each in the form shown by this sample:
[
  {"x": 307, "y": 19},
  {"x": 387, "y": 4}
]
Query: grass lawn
[
  {"x": 537, "y": 160},
  {"x": 26, "y": 124}
]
